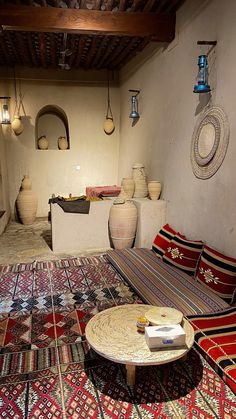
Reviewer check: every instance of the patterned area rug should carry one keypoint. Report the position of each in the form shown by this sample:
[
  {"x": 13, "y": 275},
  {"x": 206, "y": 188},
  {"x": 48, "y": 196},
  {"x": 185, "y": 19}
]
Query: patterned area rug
[{"x": 48, "y": 370}]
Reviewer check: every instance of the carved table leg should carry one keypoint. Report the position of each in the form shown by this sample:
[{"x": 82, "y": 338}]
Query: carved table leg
[{"x": 130, "y": 374}]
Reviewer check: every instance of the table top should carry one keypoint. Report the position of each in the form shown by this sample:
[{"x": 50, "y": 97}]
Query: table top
[{"x": 113, "y": 334}]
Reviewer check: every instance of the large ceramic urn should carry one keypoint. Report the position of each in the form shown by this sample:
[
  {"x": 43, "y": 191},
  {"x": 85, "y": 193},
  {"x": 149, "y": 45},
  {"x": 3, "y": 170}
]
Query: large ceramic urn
[
  {"x": 26, "y": 202},
  {"x": 123, "y": 224}
]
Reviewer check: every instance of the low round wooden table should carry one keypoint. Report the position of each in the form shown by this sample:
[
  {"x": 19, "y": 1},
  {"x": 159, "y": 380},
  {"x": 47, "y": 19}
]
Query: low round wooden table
[{"x": 113, "y": 334}]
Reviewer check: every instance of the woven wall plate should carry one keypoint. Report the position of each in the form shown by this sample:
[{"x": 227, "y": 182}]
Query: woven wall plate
[{"x": 209, "y": 142}]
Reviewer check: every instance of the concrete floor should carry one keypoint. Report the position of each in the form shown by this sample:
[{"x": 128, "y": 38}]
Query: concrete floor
[{"x": 21, "y": 243}]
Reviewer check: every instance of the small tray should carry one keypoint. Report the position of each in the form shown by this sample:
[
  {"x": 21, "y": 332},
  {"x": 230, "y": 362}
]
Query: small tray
[{"x": 164, "y": 315}]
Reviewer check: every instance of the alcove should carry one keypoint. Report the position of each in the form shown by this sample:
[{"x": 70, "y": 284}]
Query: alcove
[{"x": 51, "y": 122}]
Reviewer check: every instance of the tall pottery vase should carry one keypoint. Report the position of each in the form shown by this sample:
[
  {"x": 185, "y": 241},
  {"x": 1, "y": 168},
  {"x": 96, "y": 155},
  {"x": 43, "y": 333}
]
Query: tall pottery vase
[
  {"x": 26, "y": 202},
  {"x": 140, "y": 181},
  {"x": 154, "y": 189},
  {"x": 123, "y": 224},
  {"x": 128, "y": 186}
]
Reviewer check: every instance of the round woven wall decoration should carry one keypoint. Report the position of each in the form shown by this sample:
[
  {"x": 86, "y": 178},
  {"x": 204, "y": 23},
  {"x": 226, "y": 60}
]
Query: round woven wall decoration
[{"x": 209, "y": 142}]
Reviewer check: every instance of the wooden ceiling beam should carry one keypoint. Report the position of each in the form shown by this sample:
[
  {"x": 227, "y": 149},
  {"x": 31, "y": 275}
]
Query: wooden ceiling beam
[
  {"x": 122, "y": 5},
  {"x": 148, "y": 6},
  {"x": 26, "y": 18},
  {"x": 42, "y": 48},
  {"x": 101, "y": 49},
  {"x": 32, "y": 50}
]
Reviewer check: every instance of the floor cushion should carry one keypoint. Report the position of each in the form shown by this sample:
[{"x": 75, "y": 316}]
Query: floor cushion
[
  {"x": 218, "y": 272},
  {"x": 160, "y": 284},
  {"x": 215, "y": 338}
]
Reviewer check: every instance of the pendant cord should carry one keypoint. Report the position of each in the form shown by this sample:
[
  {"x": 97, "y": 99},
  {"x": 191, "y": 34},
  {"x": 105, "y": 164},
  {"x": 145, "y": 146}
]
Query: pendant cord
[
  {"x": 21, "y": 105},
  {"x": 109, "y": 111},
  {"x": 15, "y": 89}
]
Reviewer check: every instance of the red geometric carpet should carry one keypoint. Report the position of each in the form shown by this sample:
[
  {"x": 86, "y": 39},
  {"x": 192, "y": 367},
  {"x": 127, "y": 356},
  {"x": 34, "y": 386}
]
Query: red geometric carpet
[{"x": 47, "y": 369}]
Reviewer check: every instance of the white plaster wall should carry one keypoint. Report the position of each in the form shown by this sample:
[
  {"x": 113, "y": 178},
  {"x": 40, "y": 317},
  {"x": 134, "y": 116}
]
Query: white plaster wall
[
  {"x": 54, "y": 171},
  {"x": 3, "y": 167},
  {"x": 4, "y": 186},
  {"x": 203, "y": 209}
]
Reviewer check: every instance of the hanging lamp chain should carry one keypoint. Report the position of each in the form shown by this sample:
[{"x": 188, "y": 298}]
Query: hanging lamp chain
[{"x": 109, "y": 111}]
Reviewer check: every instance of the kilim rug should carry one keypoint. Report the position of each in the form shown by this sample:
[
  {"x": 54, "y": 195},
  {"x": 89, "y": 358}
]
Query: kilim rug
[{"x": 48, "y": 370}]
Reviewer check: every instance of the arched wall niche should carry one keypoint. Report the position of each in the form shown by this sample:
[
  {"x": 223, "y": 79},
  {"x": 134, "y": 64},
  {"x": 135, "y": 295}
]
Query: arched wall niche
[{"x": 51, "y": 122}]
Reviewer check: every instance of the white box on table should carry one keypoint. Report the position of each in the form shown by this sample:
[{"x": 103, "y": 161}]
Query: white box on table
[{"x": 165, "y": 336}]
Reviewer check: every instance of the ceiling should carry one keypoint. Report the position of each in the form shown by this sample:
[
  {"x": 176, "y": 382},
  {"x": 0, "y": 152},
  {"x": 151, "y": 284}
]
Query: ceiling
[{"x": 85, "y": 34}]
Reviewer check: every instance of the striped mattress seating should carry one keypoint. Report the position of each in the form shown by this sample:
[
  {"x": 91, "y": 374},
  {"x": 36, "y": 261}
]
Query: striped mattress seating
[
  {"x": 160, "y": 284},
  {"x": 215, "y": 339}
]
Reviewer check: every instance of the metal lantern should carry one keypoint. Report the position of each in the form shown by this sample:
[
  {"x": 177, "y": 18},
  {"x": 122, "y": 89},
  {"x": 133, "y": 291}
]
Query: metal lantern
[
  {"x": 202, "y": 85},
  {"x": 134, "y": 105},
  {"x": 5, "y": 111}
]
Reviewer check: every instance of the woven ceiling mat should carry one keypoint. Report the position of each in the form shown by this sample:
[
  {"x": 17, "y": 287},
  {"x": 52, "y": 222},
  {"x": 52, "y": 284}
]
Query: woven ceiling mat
[{"x": 209, "y": 142}]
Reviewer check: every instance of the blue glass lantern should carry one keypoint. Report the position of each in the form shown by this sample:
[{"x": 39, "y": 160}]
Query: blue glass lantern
[{"x": 202, "y": 85}]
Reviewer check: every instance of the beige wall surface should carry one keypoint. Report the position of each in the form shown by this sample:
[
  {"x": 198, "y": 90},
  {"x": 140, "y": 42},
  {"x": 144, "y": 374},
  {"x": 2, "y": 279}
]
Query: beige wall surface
[
  {"x": 55, "y": 171},
  {"x": 4, "y": 200},
  {"x": 4, "y": 196},
  {"x": 202, "y": 209}
]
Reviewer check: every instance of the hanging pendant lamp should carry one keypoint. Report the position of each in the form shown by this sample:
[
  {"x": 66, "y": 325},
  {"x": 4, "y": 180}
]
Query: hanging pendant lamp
[{"x": 108, "y": 125}]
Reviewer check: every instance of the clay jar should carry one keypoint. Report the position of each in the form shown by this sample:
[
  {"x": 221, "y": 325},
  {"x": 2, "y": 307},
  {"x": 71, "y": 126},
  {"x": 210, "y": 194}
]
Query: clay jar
[
  {"x": 62, "y": 143},
  {"x": 122, "y": 224},
  {"x": 17, "y": 125},
  {"x": 154, "y": 189},
  {"x": 128, "y": 186},
  {"x": 140, "y": 181},
  {"x": 43, "y": 143},
  {"x": 26, "y": 202},
  {"x": 108, "y": 126}
]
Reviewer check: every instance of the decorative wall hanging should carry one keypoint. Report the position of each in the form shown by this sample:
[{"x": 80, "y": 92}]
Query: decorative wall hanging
[
  {"x": 108, "y": 125},
  {"x": 209, "y": 142}
]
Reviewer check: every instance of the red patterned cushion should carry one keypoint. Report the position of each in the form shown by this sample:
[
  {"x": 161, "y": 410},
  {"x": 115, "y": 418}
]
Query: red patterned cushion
[
  {"x": 162, "y": 240},
  {"x": 183, "y": 253},
  {"x": 218, "y": 272},
  {"x": 215, "y": 336}
]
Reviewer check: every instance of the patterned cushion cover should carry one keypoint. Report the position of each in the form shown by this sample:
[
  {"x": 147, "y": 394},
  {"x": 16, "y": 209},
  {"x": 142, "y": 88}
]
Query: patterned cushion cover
[
  {"x": 162, "y": 240},
  {"x": 183, "y": 253},
  {"x": 218, "y": 272},
  {"x": 215, "y": 337}
]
